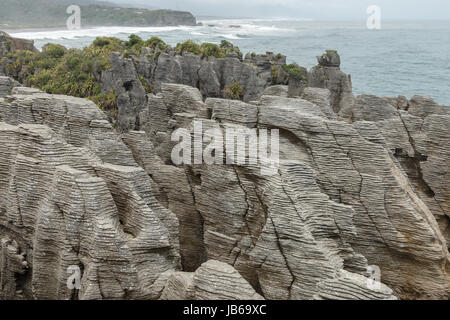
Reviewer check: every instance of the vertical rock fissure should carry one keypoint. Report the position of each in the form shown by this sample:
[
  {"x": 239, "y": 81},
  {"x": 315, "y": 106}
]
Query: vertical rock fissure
[
  {"x": 202, "y": 220},
  {"x": 418, "y": 158},
  {"x": 281, "y": 250},
  {"x": 247, "y": 201}
]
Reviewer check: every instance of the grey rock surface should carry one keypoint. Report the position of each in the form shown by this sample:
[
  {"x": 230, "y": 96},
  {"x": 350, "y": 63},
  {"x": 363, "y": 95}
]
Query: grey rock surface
[
  {"x": 417, "y": 133},
  {"x": 338, "y": 167},
  {"x": 214, "y": 280},
  {"x": 362, "y": 183},
  {"x": 327, "y": 74},
  {"x": 256, "y": 74},
  {"x": 131, "y": 96},
  {"x": 10, "y": 44},
  {"x": 278, "y": 90},
  {"x": 73, "y": 199},
  {"x": 212, "y": 75},
  {"x": 6, "y": 86}
]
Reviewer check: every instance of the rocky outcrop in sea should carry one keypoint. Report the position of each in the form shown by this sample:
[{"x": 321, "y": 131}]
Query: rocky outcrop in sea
[{"x": 361, "y": 187}]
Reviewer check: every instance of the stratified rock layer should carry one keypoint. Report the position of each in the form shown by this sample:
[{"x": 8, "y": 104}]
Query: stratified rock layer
[
  {"x": 338, "y": 195},
  {"x": 73, "y": 198},
  {"x": 214, "y": 280},
  {"x": 361, "y": 185},
  {"x": 79, "y": 218}
]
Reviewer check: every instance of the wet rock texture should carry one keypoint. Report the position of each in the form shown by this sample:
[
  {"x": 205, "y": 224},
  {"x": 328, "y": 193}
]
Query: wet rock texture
[{"x": 362, "y": 183}]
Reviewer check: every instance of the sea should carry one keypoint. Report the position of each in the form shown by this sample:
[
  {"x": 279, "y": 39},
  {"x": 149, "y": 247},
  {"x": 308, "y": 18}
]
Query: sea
[{"x": 402, "y": 58}]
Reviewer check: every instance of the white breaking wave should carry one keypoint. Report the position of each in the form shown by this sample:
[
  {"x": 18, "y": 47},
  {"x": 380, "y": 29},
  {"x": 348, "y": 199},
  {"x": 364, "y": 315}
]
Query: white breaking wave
[
  {"x": 230, "y": 36},
  {"x": 227, "y": 28},
  {"x": 244, "y": 26},
  {"x": 94, "y": 32},
  {"x": 250, "y": 20}
]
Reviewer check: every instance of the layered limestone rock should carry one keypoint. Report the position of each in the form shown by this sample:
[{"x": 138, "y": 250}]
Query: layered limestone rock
[
  {"x": 214, "y": 280},
  {"x": 327, "y": 74},
  {"x": 132, "y": 75},
  {"x": 131, "y": 96},
  {"x": 394, "y": 228},
  {"x": 262, "y": 226},
  {"x": 6, "y": 85},
  {"x": 417, "y": 132},
  {"x": 79, "y": 218},
  {"x": 278, "y": 90},
  {"x": 361, "y": 186},
  {"x": 254, "y": 74},
  {"x": 339, "y": 194},
  {"x": 74, "y": 202},
  {"x": 210, "y": 75}
]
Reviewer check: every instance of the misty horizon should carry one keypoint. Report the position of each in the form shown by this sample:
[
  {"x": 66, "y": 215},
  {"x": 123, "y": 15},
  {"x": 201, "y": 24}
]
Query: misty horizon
[{"x": 303, "y": 9}]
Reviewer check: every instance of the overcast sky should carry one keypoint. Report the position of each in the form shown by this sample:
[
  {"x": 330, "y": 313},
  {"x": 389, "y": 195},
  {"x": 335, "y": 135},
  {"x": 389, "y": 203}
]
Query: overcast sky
[{"x": 314, "y": 9}]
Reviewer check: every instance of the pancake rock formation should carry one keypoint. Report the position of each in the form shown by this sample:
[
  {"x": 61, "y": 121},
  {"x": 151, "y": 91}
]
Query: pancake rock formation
[{"x": 357, "y": 206}]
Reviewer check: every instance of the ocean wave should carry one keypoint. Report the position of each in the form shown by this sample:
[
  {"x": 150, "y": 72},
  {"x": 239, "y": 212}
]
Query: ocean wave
[
  {"x": 249, "y": 20},
  {"x": 247, "y": 29},
  {"x": 226, "y": 28},
  {"x": 251, "y": 28},
  {"x": 95, "y": 32},
  {"x": 230, "y": 36}
]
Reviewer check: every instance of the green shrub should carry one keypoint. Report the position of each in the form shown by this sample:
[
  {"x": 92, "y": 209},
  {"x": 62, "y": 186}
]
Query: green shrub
[
  {"x": 82, "y": 77},
  {"x": 156, "y": 43},
  {"x": 145, "y": 84},
  {"x": 105, "y": 101},
  {"x": 188, "y": 46},
  {"x": 10, "y": 68},
  {"x": 212, "y": 50},
  {"x": 228, "y": 47},
  {"x": 274, "y": 73},
  {"x": 54, "y": 50},
  {"x": 60, "y": 71},
  {"x": 206, "y": 50},
  {"x": 73, "y": 62},
  {"x": 234, "y": 91},
  {"x": 43, "y": 78},
  {"x": 110, "y": 43},
  {"x": 295, "y": 71},
  {"x": 101, "y": 42},
  {"x": 134, "y": 40}
]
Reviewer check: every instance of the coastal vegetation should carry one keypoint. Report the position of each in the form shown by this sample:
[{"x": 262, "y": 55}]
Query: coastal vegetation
[
  {"x": 207, "y": 50},
  {"x": 295, "y": 71},
  {"x": 72, "y": 72},
  {"x": 234, "y": 91},
  {"x": 77, "y": 72}
]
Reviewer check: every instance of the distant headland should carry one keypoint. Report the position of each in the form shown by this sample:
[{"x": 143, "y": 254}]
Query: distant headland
[{"x": 22, "y": 14}]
